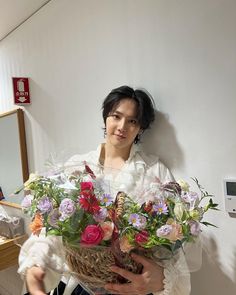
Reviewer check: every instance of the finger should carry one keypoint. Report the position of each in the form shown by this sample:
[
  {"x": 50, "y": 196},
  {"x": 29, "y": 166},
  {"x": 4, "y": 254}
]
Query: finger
[
  {"x": 124, "y": 273},
  {"x": 141, "y": 259}
]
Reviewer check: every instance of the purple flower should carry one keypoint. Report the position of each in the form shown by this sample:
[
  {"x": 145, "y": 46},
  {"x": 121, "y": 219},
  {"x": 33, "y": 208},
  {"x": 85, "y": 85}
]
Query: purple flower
[
  {"x": 101, "y": 215},
  {"x": 164, "y": 230},
  {"x": 137, "y": 220},
  {"x": 195, "y": 228},
  {"x": 45, "y": 205},
  {"x": 67, "y": 208},
  {"x": 190, "y": 197},
  {"x": 106, "y": 199},
  {"x": 26, "y": 202},
  {"x": 53, "y": 217},
  {"x": 160, "y": 208}
]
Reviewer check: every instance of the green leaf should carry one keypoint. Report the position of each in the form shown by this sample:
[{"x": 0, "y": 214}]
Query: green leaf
[
  {"x": 54, "y": 232},
  {"x": 176, "y": 246},
  {"x": 208, "y": 223}
]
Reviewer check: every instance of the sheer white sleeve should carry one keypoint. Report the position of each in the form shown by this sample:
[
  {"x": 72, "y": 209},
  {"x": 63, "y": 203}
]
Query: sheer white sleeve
[
  {"x": 45, "y": 252},
  {"x": 177, "y": 276}
]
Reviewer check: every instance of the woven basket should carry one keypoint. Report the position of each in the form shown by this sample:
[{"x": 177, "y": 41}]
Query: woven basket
[{"x": 91, "y": 264}]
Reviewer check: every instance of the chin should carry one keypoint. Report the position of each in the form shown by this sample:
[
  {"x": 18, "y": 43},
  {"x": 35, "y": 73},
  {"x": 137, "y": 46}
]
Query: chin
[{"x": 120, "y": 144}]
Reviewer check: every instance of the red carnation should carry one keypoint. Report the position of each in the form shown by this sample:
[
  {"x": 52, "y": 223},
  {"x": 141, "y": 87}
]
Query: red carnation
[
  {"x": 86, "y": 185},
  {"x": 89, "y": 202}
]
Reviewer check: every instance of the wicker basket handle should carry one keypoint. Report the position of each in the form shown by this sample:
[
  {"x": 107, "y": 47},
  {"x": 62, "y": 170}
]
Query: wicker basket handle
[{"x": 119, "y": 204}]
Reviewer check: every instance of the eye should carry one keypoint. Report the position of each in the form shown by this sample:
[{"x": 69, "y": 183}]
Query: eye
[
  {"x": 115, "y": 116},
  {"x": 133, "y": 122}
]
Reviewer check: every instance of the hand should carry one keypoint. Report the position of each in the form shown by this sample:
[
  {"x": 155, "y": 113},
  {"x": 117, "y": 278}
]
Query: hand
[
  {"x": 34, "y": 280},
  {"x": 150, "y": 281}
]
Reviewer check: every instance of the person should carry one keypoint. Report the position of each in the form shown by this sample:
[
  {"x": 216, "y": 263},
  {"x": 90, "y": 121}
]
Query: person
[{"x": 127, "y": 114}]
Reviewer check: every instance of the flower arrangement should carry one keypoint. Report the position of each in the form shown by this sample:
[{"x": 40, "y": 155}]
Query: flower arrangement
[
  {"x": 76, "y": 207},
  {"x": 99, "y": 228}
]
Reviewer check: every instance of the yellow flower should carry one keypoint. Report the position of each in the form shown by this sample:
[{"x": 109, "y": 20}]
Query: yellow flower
[
  {"x": 194, "y": 214},
  {"x": 184, "y": 185}
]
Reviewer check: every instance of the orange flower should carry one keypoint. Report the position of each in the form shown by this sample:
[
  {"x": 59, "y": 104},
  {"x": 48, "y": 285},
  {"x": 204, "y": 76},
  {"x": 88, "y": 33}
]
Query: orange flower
[
  {"x": 107, "y": 228},
  {"x": 37, "y": 224},
  {"x": 125, "y": 246},
  {"x": 176, "y": 233}
]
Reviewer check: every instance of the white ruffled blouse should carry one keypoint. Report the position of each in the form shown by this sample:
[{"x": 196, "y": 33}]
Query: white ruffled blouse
[{"x": 47, "y": 252}]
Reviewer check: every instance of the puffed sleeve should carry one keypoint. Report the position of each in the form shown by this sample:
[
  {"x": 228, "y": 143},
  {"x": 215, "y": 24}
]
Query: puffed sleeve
[
  {"x": 163, "y": 172},
  {"x": 46, "y": 252},
  {"x": 155, "y": 168},
  {"x": 177, "y": 276}
]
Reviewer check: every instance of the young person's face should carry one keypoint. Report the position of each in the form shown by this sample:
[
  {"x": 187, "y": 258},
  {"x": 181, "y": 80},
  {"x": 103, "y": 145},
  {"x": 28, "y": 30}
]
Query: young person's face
[{"x": 122, "y": 125}]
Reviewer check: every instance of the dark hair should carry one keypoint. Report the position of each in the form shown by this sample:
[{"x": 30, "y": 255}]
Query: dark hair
[{"x": 144, "y": 101}]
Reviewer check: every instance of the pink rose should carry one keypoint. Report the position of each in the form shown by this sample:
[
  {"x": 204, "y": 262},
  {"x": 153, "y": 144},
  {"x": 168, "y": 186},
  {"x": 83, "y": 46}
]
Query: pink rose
[
  {"x": 107, "y": 228},
  {"x": 141, "y": 237},
  {"x": 92, "y": 235},
  {"x": 86, "y": 185}
]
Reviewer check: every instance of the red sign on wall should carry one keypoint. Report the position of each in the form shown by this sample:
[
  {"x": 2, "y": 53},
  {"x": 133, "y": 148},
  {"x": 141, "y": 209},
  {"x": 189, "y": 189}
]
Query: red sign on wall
[{"x": 21, "y": 90}]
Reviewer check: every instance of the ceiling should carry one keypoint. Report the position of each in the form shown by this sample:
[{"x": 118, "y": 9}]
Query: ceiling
[{"x": 14, "y": 12}]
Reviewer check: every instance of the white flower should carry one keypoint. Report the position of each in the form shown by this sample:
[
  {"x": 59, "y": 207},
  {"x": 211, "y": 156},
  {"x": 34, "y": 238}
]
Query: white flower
[
  {"x": 67, "y": 185},
  {"x": 179, "y": 210}
]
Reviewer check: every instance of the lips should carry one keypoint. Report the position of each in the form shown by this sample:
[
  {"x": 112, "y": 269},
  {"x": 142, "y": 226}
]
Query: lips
[{"x": 120, "y": 136}]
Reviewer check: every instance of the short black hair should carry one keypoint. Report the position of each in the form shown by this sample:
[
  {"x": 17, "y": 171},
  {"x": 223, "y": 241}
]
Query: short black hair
[{"x": 144, "y": 101}]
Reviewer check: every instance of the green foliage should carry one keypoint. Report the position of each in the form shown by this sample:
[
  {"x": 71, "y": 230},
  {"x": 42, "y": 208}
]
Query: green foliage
[{"x": 168, "y": 219}]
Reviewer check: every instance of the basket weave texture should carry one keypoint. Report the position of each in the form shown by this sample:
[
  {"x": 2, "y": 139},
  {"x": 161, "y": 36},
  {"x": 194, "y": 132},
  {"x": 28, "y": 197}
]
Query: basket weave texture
[{"x": 91, "y": 264}]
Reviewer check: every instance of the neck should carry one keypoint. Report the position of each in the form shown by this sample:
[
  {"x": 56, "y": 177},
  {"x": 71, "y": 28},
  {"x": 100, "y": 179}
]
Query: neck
[
  {"x": 113, "y": 157},
  {"x": 112, "y": 152}
]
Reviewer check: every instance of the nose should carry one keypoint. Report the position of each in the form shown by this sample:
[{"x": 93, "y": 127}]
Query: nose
[{"x": 122, "y": 125}]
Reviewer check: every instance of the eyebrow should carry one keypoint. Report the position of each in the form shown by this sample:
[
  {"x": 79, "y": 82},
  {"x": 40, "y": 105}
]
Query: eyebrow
[{"x": 119, "y": 113}]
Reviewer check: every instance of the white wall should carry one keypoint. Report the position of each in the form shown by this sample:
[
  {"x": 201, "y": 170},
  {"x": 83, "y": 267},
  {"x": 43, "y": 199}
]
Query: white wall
[{"x": 182, "y": 51}]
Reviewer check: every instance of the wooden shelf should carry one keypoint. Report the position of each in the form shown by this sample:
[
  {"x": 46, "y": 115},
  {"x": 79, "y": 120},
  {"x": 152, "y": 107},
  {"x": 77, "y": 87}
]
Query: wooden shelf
[{"x": 9, "y": 251}]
